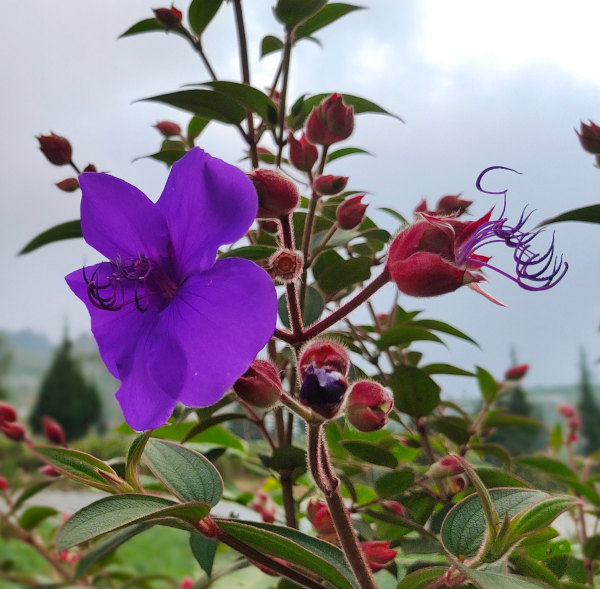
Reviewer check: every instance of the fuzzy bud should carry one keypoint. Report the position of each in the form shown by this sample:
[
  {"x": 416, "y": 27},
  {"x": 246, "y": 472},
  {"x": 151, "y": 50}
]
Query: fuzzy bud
[
  {"x": 3, "y": 484},
  {"x": 168, "y": 128},
  {"x": 378, "y": 554},
  {"x": 303, "y": 154},
  {"x": 330, "y": 122},
  {"x": 53, "y": 431},
  {"x": 277, "y": 195},
  {"x": 567, "y": 410},
  {"x": 351, "y": 212},
  {"x": 445, "y": 467},
  {"x": 516, "y": 372},
  {"x": 13, "y": 431},
  {"x": 324, "y": 354},
  {"x": 8, "y": 413},
  {"x": 318, "y": 515},
  {"x": 330, "y": 185},
  {"x": 368, "y": 406},
  {"x": 589, "y": 137},
  {"x": 394, "y": 507},
  {"x": 57, "y": 149},
  {"x": 49, "y": 471},
  {"x": 323, "y": 391},
  {"x": 452, "y": 204},
  {"x": 285, "y": 265},
  {"x": 68, "y": 184},
  {"x": 260, "y": 386},
  {"x": 170, "y": 18}
]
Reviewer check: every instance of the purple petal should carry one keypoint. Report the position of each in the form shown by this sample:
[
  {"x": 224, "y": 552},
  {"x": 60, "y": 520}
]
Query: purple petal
[
  {"x": 117, "y": 219},
  {"x": 207, "y": 203},
  {"x": 221, "y": 318}
]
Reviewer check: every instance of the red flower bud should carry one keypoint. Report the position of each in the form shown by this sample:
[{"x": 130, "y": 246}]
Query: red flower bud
[
  {"x": 186, "y": 583},
  {"x": 68, "y": 184},
  {"x": 368, "y": 406},
  {"x": 7, "y": 413},
  {"x": 3, "y": 484},
  {"x": 318, "y": 515},
  {"x": 57, "y": 149},
  {"x": 394, "y": 507},
  {"x": 170, "y": 18},
  {"x": 167, "y": 128},
  {"x": 90, "y": 168},
  {"x": 13, "y": 431},
  {"x": 351, "y": 212},
  {"x": 378, "y": 553},
  {"x": 452, "y": 204},
  {"x": 445, "y": 467},
  {"x": 516, "y": 372},
  {"x": 53, "y": 431},
  {"x": 285, "y": 265},
  {"x": 567, "y": 410},
  {"x": 260, "y": 385},
  {"x": 277, "y": 195},
  {"x": 574, "y": 423},
  {"x": 330, "y": 122},
  {"x": 330, "y": 184},
  {"x": 49, "y": 471},
  {"x": 324, "y": 354},
  {"x": 303, "y": 154},
  {"x": 264, "y": 506},
  {"x": 269, "y": 226},
  {"x": 589, "y": 136}
]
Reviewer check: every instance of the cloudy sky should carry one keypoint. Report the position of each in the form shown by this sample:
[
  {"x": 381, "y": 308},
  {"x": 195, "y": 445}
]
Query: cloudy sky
[{"x": 477, "y": 83}]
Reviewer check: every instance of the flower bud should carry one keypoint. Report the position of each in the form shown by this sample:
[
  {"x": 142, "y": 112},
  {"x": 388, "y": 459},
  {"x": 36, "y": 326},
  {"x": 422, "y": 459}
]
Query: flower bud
[
  {"x": 318, "y": 515},
  {"x": 329, "y": 184},
  {"x": 3, "y": 483},
  {"x": 323, "y": 391},
  {"x": 8, "y": 413},
  {"x": 351, "y": 212},
  {"x": 516, "y": 372},
  {"x": 445, "y": 467},
  {"x": 452, "y": 204},
  {"x": 368, "y": 406},
  {"x": 186, "y": 583},
  {"x": 53, "y": 431},
  {"x": 269, "y": 226},
  {"x": 68, "y": 184},
  {"x": 13, "y": 431},
  {"x": 567, "y": 410},
  {"x": 574, "y": 423},
  {"x": 394, "y": 507},
  {"x": 330, "y": 122},
  {"x": 57, "y": 149},
  {"x": 264, "y": 506},
  {"x": 90, "y": 168},
  {"x": 378, "y": 554},
  {"x": 457, "y": 484},
  {"x": 260, "y": 386},
  {"x": 303, "y": 154},
  {"x": 285, "y": 265},
  {"x": 324, "y": 354},
  {"x": 277, "y": 195},
  {"x": 49, "y": 471},
  {"x": 170, "y": 18},
  {"x": 168, "y": 128},
  {"x": 589, "y": 137}
]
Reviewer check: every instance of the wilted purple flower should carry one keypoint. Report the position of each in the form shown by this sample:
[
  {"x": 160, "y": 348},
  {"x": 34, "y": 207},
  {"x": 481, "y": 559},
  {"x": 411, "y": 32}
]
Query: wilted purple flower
[{"x": 173, "y": 324}]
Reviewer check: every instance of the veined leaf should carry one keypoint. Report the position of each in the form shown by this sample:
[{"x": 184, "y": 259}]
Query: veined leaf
[
  {"x": 344, "y": 151},
  {"x": 201, "y": 12},
  {"x": 327, "y": 15},
  {"x": 249, "y": 97},
  {"x": 415, "y": 392},
  {"x": 68, "y": 230},
  {"x": 370, "y": 453}
]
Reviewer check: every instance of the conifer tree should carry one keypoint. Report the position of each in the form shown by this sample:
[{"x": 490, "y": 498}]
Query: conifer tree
[
  {"x": 588, "y": 408},
  {"x": 66, "y": 396}
]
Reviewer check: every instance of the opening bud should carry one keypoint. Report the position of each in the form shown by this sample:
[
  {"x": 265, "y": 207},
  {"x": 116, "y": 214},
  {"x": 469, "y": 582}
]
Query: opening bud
[
  {"x": 452, "y": 204},
  {"x": 378, "y": 554},
  {"x": 303, "y": 154},
  {"x": 260, "y": 386},
  {"x": 351, "y": 212},
  {"x": 57, "y": 149},
  {"x": 457, "y": 484},
  {"x": 589, "y": 137},
  {"x": 68, "y": 184},
  {"x": 168, "y": 128},
  {"x": 323, "y": 391},
  {"x": 446, "y": 467},
  {"x": 53, "y": 431},
  {"x": 330, "y": 122},
  {"x": 8, "y": 413},
  {"x": 368, "y": 406},
  {"x": 329, "y": 184},
  {"x": 277, "y": 195},
  {"x": 324, "y": 354},
  {"x": 170, "y": 18},
  {"x": 285, "y": 265}
]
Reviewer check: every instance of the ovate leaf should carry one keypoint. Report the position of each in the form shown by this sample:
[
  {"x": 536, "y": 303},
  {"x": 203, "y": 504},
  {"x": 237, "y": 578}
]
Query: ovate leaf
[
  {"x": 327, "y": 15},
  {"x": 33, "y": 516},
  {"x": 589, "y": 214},
  {"x": 370, "y": 453},
  {"x": 68, "y": 230},
  {"x": 204, "y": 550},
  {"x": 415, "y": 392},
  {"x": 201, "y": 12},
  {"x": 270, "y": 44},
  {"x": 144, "y": 26}
]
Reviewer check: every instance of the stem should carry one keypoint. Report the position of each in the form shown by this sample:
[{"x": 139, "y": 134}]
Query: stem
[
  {"x": 285, "y": 65},
  {"x": 326, "y": 484},
  {"x": 323, "y": 243},
  {"x": 287, "y": 494},
  {"x": 284, "y": 336},
  {"x": 287, "y": 238},
  {"x": 71, "y": 163},
  {"x": 421, "y": 428},
  {"x": 323, "y": 160}
]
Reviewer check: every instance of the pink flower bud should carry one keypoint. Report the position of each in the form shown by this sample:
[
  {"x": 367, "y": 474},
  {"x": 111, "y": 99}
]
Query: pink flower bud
[
  {"x": 452, "y": 204},
  {"x": 170, "y": 18},
  {"x": 329, "y": 184},
  {"x": 394, "y": 507},
  {"x": 324, "y": 354},
  {"x": 49, "y": 471},
  {"x": 574, "y": 423},
  {"x": 68, "y": 184},
  {"x": 368, "y": 406},
  {"x": 589, "y": 137},
  {"x": 445, "y": 467},
  {"x": 378, "y": 553},
  {"x": 260, "y": 385},
  {"x": 186, "y": 583},
  {"x": 3, "y": 483},
  {"x": 516, "y": 372},
  {"x": 318, "y": 515},
  {"x": 277, "y": 195},
  {"x": 53, "y": 431},
  {"x": 8, "y": 413},
  {"x": 330, "y": 122},
  {"x": 57, "y": 149},
  {"x": 168, "y": 128},
  {"x": 351, "y": 212},
  {"x": 13, "y": 431},
  {"x": 285, "y": 265},
  {"x": 303, "y": 154},
  {"x": 567, "y": 410}
]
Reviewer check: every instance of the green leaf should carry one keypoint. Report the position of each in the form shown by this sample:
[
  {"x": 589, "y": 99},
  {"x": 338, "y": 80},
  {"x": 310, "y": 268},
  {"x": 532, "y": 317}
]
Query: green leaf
[
  {"x": 295, "y": 547},
  {"x": 204, "y": 550},
  {"x": 590, "y": 214},
  {"x": 344, "y": 151},
  {"x": 495, "y": 450},
  {"x": 548, "y": 465},
  {"x": 400, "y": 336},
  {"x": 195, "y": 127},
  {"x": 210, "y": 422},
  {"x": 361, "y": 105},
  {"x": 415, "y": 393},
  {"x": 334, "y": 277},
  {"x": 270, "y": 44},
  {"x": 77, "y": 465},
  {"x": 250, "y": 252},
  {"x": 495, "y": 477},
  {"x": 394, "y": 214},
  {"x": 499, "y": 419},
  {"x": 313, "y": 307},
  {"x": 144, "y": 26},
  {"x": 487, "y": 384},
  {"x": 327, "y": 15},
  {"x": 134, "y": 454},
  {"x": 285, "y": 458},
  {"x": 440, "y": 368},
  {"x": 524, "y": 565},
  {"x": 453, "y": 427},
  {"x": 491, "y": 580},
  {"x": 421, "y": 578},
  {"x": 185, "y": 472},
  {"x": 204, "y": 103},
  {"x": 370, "y": 453},
  {"x": 249, "y": 97},
  {"x": 541, "y": 515},
  {"x": 201, "y": 12},
  {"x": 33, "y": 516},
  {"x": 167, "y": 156},
  {"x": 68, "y": 230},
  {"x": 464, "y": 527},
  {"x": 31, "y": 491},
  {"x": 591, "y": 547},
  {"x": 292, "y": 12},
  {"x": 394, "y": 483},
  {"x": 117, "y": 511},
  {"x": 444, "y": 328}
]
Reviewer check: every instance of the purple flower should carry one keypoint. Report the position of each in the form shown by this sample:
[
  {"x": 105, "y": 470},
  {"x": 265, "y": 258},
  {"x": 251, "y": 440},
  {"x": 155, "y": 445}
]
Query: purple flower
[{"x": 173, "y": 324}]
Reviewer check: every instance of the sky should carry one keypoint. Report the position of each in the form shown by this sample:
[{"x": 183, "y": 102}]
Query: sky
[{"x": 477, "y": 84}]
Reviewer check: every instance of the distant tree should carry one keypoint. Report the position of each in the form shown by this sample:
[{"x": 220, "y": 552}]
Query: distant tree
[
  {"x": 5, "y": 362},
  {"x": 66, "y": 396},
  {"x": 588, "y": 408}
]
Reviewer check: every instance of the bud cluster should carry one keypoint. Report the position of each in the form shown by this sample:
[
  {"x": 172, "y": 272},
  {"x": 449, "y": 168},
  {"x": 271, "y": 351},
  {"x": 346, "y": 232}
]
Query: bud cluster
[
  {"x": 8, "y": 424},
  {"x": 264, "y": 506}
]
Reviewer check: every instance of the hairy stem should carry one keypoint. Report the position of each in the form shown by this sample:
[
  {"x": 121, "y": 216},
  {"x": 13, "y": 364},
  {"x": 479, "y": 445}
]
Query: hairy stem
[{"x": 285, "y": 66}]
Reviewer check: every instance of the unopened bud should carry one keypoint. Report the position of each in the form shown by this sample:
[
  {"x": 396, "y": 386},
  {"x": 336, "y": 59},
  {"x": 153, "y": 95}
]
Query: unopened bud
[
  {"x": 378, "y": 554},
  {"x": 574, "y": 423},
  {"x": 208, "y": 527},
  {"x": 168, "y": 128},
  {"x": 452, "y": 204},
  {"x": 53, "y": 431},
  {"x": 68, "y": 184},
  {"x": 170, "y": 18},
  {"x": 351, "y": 212},
  {"x": 186, "y": 583},
  {"x": 269, "y": 226},
  {"x": 277, "y": 195},
  {"x": 394, "y": 507},
  {"x": 285, "y": 265},
  {"x": 567, "y": 410},
  {"x": 57, "y": 149},
  {"x": 260, "y": 385},
  {"x": 319, "y": 516},
  {"x": 3, "y": 484},
  {"x": 589, "y": 137},
  {"x": 368, "y": 406},
  {"x": 49, "y": 471},
  {"x": 329, "y": 184},
  {"x": 13, "y": 431},
  {"x": 330, "y": 122},
  {"x": 265, "y": 507},
  {"x": 324, "y": 354},
  {"x": 90, "y": 168},
  {"x": 516, "y": 372},
  {"x": 445, "y": 467},
  {"x": 323, "y": 391},
  {"x": 7, "y": 413},
  {"x": 303, "y": 154}
]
